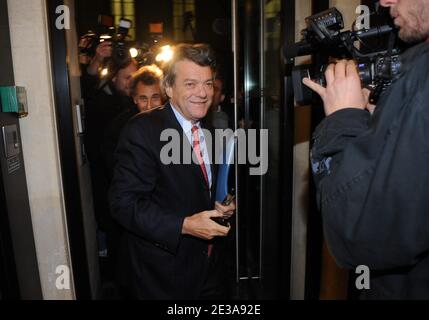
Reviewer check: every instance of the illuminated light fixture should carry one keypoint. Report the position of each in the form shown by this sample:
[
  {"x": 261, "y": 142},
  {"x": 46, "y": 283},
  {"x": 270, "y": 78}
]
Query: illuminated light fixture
[
  {"x": 104, "y": 72},
  {"x": 105, "y": 37},
  {"x": 134, "y": 52},
  {"x": 165, "y": 55}
]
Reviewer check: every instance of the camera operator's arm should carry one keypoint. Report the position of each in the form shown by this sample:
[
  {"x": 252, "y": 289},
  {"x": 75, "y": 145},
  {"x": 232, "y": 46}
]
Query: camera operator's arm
[{"x": 104, "y": 50}]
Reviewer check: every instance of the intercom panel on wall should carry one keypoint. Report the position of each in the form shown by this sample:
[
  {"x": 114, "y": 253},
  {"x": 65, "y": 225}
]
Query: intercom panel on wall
[
  {"x": 12, "y": 147},
  {"x": 20, "y": 262}
]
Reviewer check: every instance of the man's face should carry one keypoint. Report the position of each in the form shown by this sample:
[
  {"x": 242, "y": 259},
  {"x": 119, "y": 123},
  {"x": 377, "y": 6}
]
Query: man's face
[
  {"x": 192, "y": 92},
  {"x": 122, "y": 79},
  {"x": 218, "y": 96},
  {"x": 84, "y": 59},
  {"x": 411, "y": 16},
  {"x": 147, "y": 97}
]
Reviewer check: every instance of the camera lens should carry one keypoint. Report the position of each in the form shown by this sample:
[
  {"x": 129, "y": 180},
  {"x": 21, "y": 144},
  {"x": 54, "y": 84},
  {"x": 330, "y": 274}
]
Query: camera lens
[
  {"x": 120, "y": 55},
  {"x": 366, "y": 74}
]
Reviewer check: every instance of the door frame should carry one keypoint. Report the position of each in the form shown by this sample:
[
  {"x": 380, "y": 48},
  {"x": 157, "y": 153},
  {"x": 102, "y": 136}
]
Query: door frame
[{"x": 69, "y": 164}]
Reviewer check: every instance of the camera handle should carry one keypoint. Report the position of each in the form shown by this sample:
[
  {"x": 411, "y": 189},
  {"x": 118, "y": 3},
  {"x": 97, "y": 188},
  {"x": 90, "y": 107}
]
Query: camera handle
[{"x": 348, "y": 38}]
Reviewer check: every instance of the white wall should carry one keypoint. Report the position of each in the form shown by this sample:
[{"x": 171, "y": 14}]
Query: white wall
[{"x": 31, "y": 57}]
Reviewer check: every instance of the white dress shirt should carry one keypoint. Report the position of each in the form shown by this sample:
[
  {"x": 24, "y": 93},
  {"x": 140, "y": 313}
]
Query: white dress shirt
[{"x": 187, "y": 129}]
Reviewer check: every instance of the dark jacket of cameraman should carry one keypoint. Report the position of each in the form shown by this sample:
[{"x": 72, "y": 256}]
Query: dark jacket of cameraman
[{"x": 372, "y": 181}]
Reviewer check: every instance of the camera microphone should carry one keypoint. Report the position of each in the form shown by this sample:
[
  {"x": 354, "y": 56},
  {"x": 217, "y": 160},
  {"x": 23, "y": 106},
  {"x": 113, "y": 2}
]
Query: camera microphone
[{"x": 377, "y": 31}]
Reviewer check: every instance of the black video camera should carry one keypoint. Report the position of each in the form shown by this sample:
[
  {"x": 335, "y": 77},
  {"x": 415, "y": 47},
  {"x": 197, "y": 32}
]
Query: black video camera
[
  {"x": 107, "y": 32},
  {"x": 377, "y": 68}
]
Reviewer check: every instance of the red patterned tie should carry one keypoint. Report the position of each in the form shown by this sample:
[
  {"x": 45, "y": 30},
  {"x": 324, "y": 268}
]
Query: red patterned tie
[{"x": 197, "y": 150}]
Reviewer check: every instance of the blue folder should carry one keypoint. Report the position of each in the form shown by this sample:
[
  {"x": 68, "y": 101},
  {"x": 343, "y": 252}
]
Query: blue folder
[{"x": 223, "y": 173}]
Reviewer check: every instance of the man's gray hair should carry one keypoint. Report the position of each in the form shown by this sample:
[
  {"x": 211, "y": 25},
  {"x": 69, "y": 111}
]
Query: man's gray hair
[{"x": 201, "y": 54}]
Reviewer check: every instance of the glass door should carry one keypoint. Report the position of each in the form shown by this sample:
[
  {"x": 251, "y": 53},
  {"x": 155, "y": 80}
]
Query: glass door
[{"x": 263, "y": 218}]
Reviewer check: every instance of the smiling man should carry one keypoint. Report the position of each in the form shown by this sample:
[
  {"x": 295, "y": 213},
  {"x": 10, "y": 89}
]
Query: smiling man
[{"x": 171, "y": 246}]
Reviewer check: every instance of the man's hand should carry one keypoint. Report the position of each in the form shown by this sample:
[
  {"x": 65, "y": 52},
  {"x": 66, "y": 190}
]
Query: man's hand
[
  {"x": 343, "y": 87},
  {"x": 369, "y": 106},
  {"x": 104, "y": 50},
  {"x": 226, "y": 211},
  {"x": 201, "y": 225}
]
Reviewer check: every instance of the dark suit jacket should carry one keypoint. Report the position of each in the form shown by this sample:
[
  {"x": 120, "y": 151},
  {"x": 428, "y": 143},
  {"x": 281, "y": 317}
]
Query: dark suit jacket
[{"x": 150, "y": 200}]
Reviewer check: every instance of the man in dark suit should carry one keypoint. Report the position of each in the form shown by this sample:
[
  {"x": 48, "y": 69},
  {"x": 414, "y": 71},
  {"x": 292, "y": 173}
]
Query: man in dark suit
[{"x": 171, "y": 247}]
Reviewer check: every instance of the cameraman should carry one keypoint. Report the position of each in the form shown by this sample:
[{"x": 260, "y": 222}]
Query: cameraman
[{"x": 371, "y": 170}]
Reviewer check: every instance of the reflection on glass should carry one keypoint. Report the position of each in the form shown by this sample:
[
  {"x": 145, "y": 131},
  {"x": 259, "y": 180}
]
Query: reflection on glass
[
  {"x": 183, "y": 22},
  {"x": 125, "y": 9}
]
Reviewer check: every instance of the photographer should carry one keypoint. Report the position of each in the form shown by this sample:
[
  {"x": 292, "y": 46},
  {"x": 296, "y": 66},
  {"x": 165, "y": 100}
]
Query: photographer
[
  {"x": 146, "y": 92},
  {"x": 90, "y": 61},
  {"x": 107, "y": 103},
  {"x": 103, "y": 51},
  {"x": 370, "y": 170}
]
